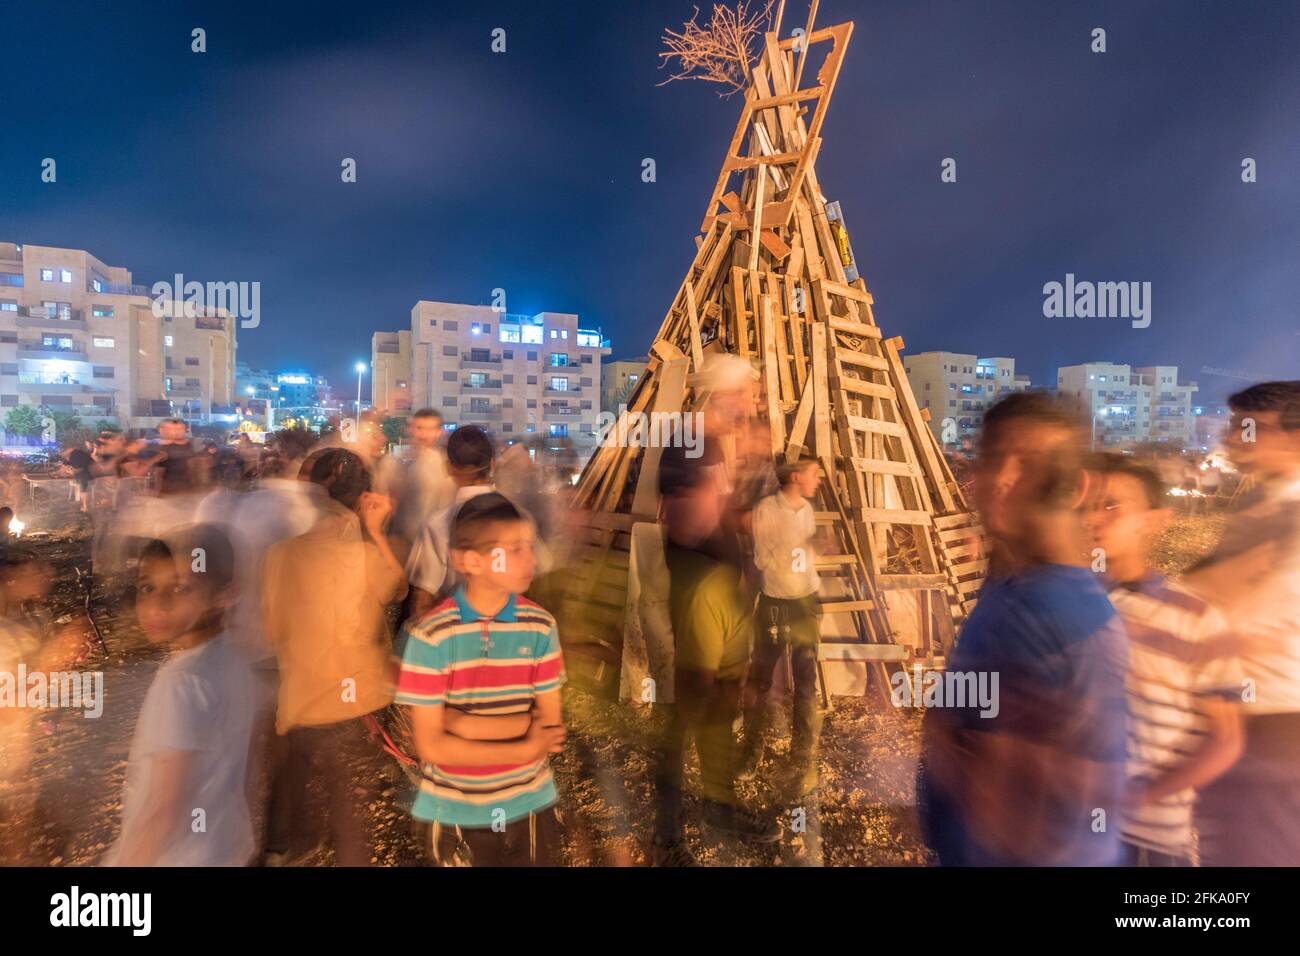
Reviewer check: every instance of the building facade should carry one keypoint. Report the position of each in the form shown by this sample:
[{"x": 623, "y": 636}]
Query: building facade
[
  {"x": 1132, "y": 405},
  {"x": 79, "y": 335},
  {"x": 957, "y": 389},
  {"x": 390, "y": 371},
  {"x": 618, "y": 378},
  {"x": 515, "y": 375}
]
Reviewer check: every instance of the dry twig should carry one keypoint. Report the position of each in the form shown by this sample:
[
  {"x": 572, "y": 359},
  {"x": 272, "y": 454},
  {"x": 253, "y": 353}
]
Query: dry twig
[{"x": 721, "y": 50}]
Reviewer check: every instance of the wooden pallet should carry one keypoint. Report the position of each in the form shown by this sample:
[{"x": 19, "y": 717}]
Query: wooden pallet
[{"x": 768, "y": 283}]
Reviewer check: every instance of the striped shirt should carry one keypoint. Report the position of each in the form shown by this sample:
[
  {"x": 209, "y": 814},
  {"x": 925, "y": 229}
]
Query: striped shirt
[
  {"x": 1179, "y": 656},
  {"x": 455, "y": 657}
]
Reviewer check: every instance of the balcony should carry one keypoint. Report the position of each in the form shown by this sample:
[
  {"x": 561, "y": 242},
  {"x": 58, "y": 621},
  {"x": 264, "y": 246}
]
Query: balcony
[
  {"x": 34, "y": 383},
  {"x": 571, "y": 390},
  {"x": 469, "y": 414},
  {"x": 560, "y": 413},
  {"x": 491, "y": 385},
  {"x": 39, "y": 317},
  {"x": 185, "y": 391},
  {"x": 118, "y": 288},
  {"x": 36, "y": 350},
  {"x": 489, "y": 363}
]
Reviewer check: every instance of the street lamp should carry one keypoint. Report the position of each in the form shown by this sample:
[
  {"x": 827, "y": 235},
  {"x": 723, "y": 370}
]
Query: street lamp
[{"x": 361, "y": 370}]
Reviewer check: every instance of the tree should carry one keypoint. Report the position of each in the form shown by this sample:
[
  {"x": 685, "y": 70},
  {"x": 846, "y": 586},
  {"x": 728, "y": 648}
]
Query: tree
[
  {"x": 23, "y": 420},
  {"x": 393, "y": 428}
]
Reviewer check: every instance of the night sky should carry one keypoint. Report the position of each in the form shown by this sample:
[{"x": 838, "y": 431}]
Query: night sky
[{"x": 522, "y": 170}]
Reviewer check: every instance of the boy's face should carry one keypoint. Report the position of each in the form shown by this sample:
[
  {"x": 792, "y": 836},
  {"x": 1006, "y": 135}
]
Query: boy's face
[
  {"x": 1012, "y": 473},
  {"x": 505, "y": 561},
  {"x": 1119, "y": 518},
  {"x": 1271, "y": 451},
  {"x": 806, "y": 480},
  {"x": 171, "y": 601},
  {"x": 425, "y": 431}
]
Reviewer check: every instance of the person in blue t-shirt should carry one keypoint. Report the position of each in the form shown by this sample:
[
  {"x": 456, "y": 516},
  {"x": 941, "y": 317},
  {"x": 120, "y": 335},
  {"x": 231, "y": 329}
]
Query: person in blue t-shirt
[{"x": 1038, "y": 777}]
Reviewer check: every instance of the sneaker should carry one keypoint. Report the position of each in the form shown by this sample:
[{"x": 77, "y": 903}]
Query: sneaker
[
  {"x": 676, "y": 853},
  {"x": 742, "y": 823}
]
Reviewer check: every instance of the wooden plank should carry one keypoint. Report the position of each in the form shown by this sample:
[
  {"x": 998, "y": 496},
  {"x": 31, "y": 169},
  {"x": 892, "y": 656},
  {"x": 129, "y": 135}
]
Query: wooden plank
[
  {"x": 858, "y": 423},
  {"x": 891, "y": 516},
  {"x": 821, "y": 394},
  {"x": 846, "y": 607},
  {"x": 911, "y": 582},
  {"x": 882, "y": 466},
  {"x": 759, "y": 185},
  {"x": 959, "y": 534},
  {"x": 836, "y": 651},
  {"x": 860, "y": 329},
  {"x": 969, "y": 567},
  {"x": 671, "y": 397},
  {"x": 775, "y": 417},
  {"x": 697, "y": 351},
  {"x": 799, "y": 428},
  {"x": 847, "y": 291},
  {"x": 959, "y": 520},
  {"x": 849, "y": 357},
  {"x": 860, "y": 386}
]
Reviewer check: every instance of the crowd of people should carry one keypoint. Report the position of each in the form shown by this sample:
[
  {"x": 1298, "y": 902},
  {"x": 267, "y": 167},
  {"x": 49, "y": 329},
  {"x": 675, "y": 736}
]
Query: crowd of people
[{"x": 305, "y": 587}]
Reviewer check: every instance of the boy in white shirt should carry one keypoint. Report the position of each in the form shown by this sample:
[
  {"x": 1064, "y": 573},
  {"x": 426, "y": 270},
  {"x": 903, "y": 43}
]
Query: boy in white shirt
[
  {"x": 788, "y": 615},
  {"x": 186, "y": 802}
]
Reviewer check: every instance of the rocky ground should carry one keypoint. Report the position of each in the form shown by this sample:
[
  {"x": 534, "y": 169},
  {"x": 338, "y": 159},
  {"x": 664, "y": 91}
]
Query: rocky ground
[{"x": 864, "y": 809}]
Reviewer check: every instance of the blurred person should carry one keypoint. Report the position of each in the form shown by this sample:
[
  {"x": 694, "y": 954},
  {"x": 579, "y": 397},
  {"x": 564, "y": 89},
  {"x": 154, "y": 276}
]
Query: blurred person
[
  {"x": 78, "y": 462},
  {"x": 711, "y": 622},
  {"x": 1211, "y": 482},
  {"x": 1251, "y": 815},
  {"x": 1184, "y": 686},
  {"x": 323, "y": 610},
  {"x": 788, "y": 617},
  {"x": 471, "y": 461},
  {"x": 1026, "y": 780},
  {"x": 179, "y": 469},
  {"x": 420, "y": 485},
  {"x": 190, "y": 750},
  {"x": 25, "y": 584},
  {"x": 485, "y": 700}
]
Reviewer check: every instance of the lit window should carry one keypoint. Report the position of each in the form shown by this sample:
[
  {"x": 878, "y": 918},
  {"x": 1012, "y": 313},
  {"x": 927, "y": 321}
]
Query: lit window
[
  {"x": 102, "y": 311},
  {"x": 8, "y": 306},
  {"x": 560, "y": 384},
  {"x": 510, "y": 334},
  {"x": 47, "y": 275},
  {"x": 167, "y": 341},
  {"x": 103, "y": 343},
  {"x": 532, "y": 335},
  {"x": 97, "y": 285},
  {"x": 555, "y": 333},
  {"x": 65, "y": 275}
]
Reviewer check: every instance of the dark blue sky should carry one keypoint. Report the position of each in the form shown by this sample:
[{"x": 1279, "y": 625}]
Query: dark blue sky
[{"x": 522, "y": 170}]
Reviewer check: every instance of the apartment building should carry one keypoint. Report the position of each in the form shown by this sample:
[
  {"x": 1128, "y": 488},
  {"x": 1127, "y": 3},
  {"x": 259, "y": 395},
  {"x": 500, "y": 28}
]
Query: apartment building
[
  {"x": 390, "y": 371},
  {"x": 516, "y": 375},
  {"x": 617, "y": 379},
  {"x": 79, "y": 335},
  {"x": 1128, "y": 406},
  {"x": 958, "y": 388}
]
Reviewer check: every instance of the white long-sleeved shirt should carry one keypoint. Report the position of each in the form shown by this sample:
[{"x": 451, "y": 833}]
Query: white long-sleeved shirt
[{"x": 783, "y": 551}]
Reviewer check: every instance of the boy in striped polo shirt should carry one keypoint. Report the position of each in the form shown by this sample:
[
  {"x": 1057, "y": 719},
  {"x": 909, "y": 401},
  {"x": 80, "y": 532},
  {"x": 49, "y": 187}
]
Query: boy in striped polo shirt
[
  {"x": 482, "y": 673},
  {"x": 1184, "y": 729}
]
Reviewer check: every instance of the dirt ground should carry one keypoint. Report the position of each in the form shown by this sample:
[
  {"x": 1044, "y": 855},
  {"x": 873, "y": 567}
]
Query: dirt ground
[{"x": 864, "y": 809}]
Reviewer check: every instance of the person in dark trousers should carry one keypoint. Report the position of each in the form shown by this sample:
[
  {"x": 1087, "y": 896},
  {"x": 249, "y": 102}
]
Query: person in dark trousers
[
  {"x": 712, "y": 617},
  {"x": 788, "y": 617}
]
